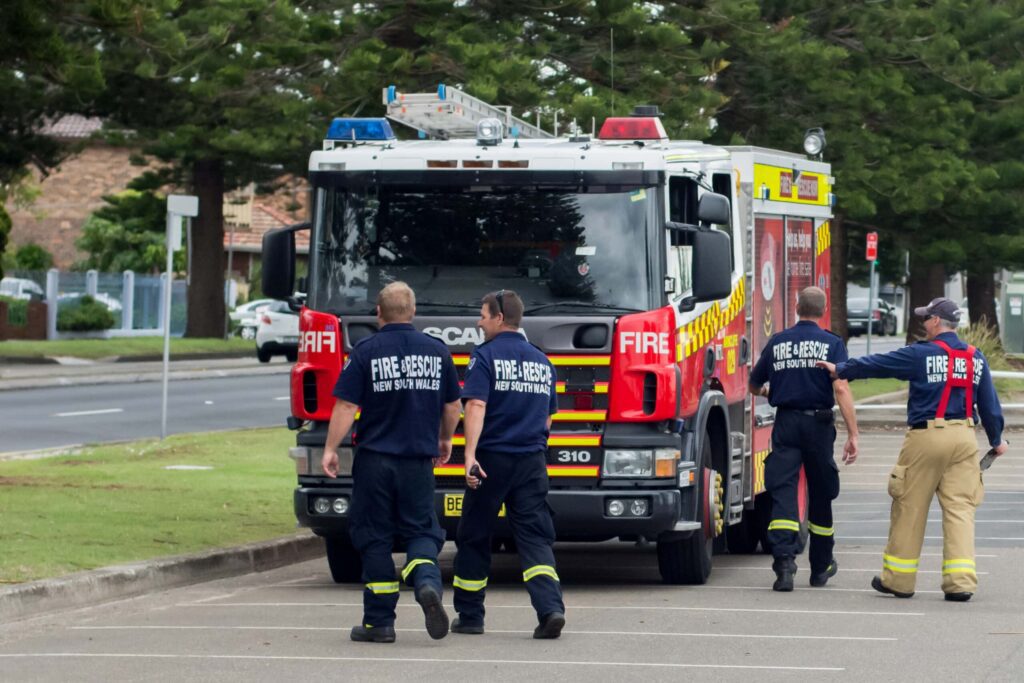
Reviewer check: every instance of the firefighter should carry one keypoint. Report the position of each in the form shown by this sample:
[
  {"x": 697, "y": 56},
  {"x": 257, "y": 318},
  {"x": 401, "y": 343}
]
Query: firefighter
[
  {"x": 940, "y": 454},
  {"x": 804, "y": 434},
  {"x": 509, "y": 396},
  {"x": 406, "y": 387}
]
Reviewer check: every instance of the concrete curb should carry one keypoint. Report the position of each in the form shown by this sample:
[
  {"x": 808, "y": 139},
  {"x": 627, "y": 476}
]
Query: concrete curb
[
  {"x": 48, "y": 382},
  {"x": 128, "y": 580}
]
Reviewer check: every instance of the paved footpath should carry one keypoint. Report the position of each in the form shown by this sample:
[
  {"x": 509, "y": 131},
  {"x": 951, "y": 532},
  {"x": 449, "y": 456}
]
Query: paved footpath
[{"x": 623, "y": 624}]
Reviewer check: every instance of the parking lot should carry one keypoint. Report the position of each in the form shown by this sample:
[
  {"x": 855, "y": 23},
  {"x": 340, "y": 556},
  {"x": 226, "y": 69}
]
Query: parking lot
[{"x": 623, "y": 624}]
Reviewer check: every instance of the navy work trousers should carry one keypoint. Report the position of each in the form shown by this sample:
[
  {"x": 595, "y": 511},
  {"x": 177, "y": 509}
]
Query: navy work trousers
[
  {"x": 520, "y": 481},
  {"x": 393, "y": 499},
  {"x": 802, "y": 439}
]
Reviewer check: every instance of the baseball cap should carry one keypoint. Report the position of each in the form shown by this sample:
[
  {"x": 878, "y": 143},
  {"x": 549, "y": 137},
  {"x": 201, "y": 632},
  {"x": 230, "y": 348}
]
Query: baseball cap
[{"x": 940, "y": 307}]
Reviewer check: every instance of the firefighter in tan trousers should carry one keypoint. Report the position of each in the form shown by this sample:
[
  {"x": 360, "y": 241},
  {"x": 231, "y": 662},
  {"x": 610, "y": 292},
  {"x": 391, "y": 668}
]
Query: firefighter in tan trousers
[{"x": 948, "y": 377}]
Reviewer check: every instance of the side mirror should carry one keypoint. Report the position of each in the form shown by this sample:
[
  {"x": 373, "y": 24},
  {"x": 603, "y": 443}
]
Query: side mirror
[
  {"x": 712, "y": 265},
  {"x": 279, "y": 261},
  {"x": 713, "y": 208}
]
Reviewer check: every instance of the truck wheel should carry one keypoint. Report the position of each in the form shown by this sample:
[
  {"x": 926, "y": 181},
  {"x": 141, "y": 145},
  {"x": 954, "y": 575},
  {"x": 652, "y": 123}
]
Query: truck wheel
[
  {"x": 742, "y": 538},
  {"x": 343, "y": 559},
  {"x": 686, "y": 559}
]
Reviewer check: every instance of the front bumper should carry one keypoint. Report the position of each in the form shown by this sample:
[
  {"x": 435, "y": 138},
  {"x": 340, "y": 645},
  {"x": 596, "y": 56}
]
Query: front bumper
[{"x": 579, "y": 515}]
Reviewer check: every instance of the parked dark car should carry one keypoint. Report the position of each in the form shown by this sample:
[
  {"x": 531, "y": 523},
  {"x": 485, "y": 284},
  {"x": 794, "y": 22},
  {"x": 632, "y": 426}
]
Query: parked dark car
[{"x": 883, "y": 314}]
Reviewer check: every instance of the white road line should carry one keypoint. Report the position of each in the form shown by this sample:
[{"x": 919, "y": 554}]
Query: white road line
[
  {"x": 665, "y": 634},
  {"x": 657, "y": 608},
  {"x": 282, "y": 398},
  {"x": 930, "y": 519},
  {"x": 878, "y": 554},
  {"x": 105, "y": 411},
  {"x": 421, "y": 660},
  {"x": 935, "y": 538},
  {"x": 845, "y": 569},
  {"x": 805, "y": 588}
]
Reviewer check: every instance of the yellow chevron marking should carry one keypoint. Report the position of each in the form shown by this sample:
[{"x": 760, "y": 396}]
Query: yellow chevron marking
[{"x": 697, "y": 333}]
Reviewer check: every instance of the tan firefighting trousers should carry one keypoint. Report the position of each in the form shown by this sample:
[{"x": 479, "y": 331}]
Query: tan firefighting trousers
[{"x": 942, "y": 458}]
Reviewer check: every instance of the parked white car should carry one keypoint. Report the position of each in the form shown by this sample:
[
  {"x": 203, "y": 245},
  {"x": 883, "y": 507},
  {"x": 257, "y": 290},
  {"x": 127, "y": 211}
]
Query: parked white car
[
  {"x": 245, "y": 316},
  {"x": 277, "y": 332},
  {"x": 21, "y": 288}
]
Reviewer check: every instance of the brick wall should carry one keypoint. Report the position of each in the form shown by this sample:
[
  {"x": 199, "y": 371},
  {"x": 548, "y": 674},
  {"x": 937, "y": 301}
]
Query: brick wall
[
  {"x": 68, "y": 196},
  {"x": 35, "y": 327}
]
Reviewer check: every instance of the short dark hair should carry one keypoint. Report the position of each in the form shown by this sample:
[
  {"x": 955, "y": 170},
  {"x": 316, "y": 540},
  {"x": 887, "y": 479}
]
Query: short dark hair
[{"x": 506, "y": 302}]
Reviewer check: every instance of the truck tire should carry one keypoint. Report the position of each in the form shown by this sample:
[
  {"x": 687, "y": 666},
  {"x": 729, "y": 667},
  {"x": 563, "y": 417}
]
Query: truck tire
[
  {"x": 742, "y": 538},
  {"x": 686, "y": 559},
  {"x": 342, "y": 558}
]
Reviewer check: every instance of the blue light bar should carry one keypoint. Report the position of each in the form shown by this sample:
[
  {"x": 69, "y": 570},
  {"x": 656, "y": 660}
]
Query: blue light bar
[{"x": 360, "y": 130}]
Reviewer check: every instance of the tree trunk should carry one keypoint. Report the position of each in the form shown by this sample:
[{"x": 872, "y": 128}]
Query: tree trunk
[
  {"x": 927, "y": 281},
  {"x": 981, "y": 292},
  {"x": 838, "y": 257},
  {"x": 206, "y": 288}
]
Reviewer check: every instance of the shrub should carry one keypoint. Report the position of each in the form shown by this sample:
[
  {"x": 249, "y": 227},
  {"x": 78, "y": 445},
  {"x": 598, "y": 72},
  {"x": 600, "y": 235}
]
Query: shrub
[
  {"x": 85, "y": 315},
  {"x": 17, "y": 311}
]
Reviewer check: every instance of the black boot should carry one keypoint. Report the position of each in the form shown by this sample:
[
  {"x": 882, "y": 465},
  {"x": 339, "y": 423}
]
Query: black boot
[
  {"x": 469, "y": 629},
  {"x": 876, "y": 583},
  {"x": 785, "y": 571},
  {"x": 373, "y": 634},
  {"x": 436, "y": 618},
  {"x": 551, "y": 627},
  {"x": 819, "y": 579}
]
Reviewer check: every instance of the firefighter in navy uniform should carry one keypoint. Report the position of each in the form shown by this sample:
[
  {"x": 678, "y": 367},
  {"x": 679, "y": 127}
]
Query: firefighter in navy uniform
[
  {"x": 948, "y": 377},
  {"x": 803, "y": 435},
  {"x": 407, "y": 389},
  {"x": 509, "y": 396}
]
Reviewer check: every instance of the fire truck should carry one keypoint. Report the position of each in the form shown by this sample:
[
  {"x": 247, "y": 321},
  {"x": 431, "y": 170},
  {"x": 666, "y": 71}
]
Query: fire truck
[{"x": 653, "y": 272}]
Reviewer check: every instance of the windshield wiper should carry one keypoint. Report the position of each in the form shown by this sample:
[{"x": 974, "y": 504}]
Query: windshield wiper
[
  {"x": 438, "y": 304},
  {"x": 582, "y": 304}
]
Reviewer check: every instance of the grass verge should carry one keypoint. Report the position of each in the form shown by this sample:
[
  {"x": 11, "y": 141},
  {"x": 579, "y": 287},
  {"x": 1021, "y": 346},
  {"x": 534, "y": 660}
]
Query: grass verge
[
  {"x": 866, "y": 388},
  {"x": 125, "y": 347},
  {"x": 118, "y": 503}
]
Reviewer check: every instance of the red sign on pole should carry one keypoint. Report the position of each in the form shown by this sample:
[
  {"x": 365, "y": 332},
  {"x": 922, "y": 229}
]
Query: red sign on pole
[{"x": 871, "y": 253}]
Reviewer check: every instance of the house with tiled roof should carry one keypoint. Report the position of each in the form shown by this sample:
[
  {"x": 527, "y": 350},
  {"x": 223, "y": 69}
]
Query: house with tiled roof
[{"x": 244, "y": 227}]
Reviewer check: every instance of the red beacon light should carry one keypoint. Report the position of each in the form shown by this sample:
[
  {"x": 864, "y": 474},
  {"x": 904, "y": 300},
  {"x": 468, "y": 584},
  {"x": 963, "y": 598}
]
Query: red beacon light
[{"x": 643, "y": 124}]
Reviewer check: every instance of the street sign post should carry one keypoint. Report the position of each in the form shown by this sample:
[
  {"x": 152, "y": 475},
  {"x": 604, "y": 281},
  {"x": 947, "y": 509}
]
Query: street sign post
[
  {"x": 178, "y": 206},
  {"x": 871, "y": 254}
]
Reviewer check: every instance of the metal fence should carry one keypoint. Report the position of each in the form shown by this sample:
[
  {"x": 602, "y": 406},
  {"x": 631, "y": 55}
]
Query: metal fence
[{"x": 135, "y": 301}]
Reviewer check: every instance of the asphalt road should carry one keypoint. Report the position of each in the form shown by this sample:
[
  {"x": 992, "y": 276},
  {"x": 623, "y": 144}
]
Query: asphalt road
[
  {"x": 43, "y": 418},
  {"x": 623, "y": 624},
  {"x": 857, "y": 346}
]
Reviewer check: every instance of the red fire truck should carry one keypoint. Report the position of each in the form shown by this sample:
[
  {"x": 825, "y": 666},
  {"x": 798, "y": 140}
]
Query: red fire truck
[{"x": 653, "y": 272}]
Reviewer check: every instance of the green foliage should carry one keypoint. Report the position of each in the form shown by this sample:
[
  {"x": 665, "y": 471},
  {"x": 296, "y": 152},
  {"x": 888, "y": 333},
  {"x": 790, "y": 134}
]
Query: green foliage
[
  {"x": 17, "y": 311},
  {"x": 31, "y": 256},
  {"x": 129, "y": 233},
  {"x": 985, "y": 338},
  {"x": 5, "y": 231},
  {"x": 84, "y": 315}
]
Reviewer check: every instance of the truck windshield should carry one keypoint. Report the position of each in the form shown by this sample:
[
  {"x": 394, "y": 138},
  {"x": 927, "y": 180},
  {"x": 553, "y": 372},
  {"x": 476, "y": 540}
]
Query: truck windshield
[{"x": 566, "y": 252}]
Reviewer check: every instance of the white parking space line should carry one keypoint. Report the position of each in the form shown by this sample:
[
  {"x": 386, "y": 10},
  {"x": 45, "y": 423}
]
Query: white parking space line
[
  {"x": 933, "y": 538},
  {"x": 418, "y": 660},
  {"x": 282, "y": 398},
  {"x": 662, "y": 634},
  {"x": 878, "y": 553},
  {"x": 844, "y": 569},
  {"x": 80, "y": 413},
  {"x": 930, "y": 519},
  {"x": 803, "y": 588},
  {"x": 654, "y": 608}
]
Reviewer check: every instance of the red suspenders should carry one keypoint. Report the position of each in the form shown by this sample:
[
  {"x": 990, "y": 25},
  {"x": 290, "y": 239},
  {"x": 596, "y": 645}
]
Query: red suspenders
[{"x": 951, "y": 381}]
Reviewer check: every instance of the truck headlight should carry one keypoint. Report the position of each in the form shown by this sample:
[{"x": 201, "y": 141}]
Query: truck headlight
[
  {"x": 308, "y": 460},
  {"x": 631, "y": 463}
]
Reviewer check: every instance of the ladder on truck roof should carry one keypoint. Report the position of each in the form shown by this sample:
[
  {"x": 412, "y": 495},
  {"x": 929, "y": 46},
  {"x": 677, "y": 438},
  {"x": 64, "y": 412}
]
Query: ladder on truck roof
[{"x": 451, "y": 113}]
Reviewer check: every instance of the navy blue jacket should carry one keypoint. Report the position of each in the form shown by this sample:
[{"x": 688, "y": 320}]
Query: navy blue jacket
[
  {"x": 400, "y": 379},
  {"x": 517, "y": 382},
  {"x": 928, "y": 379},
  {"x": 787, "y": 363}
]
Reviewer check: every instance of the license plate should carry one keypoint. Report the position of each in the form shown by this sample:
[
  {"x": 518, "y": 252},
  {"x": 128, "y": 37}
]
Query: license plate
[
  {"x": 453, "y": 505},
  {"x": 291, "y": 340}
]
